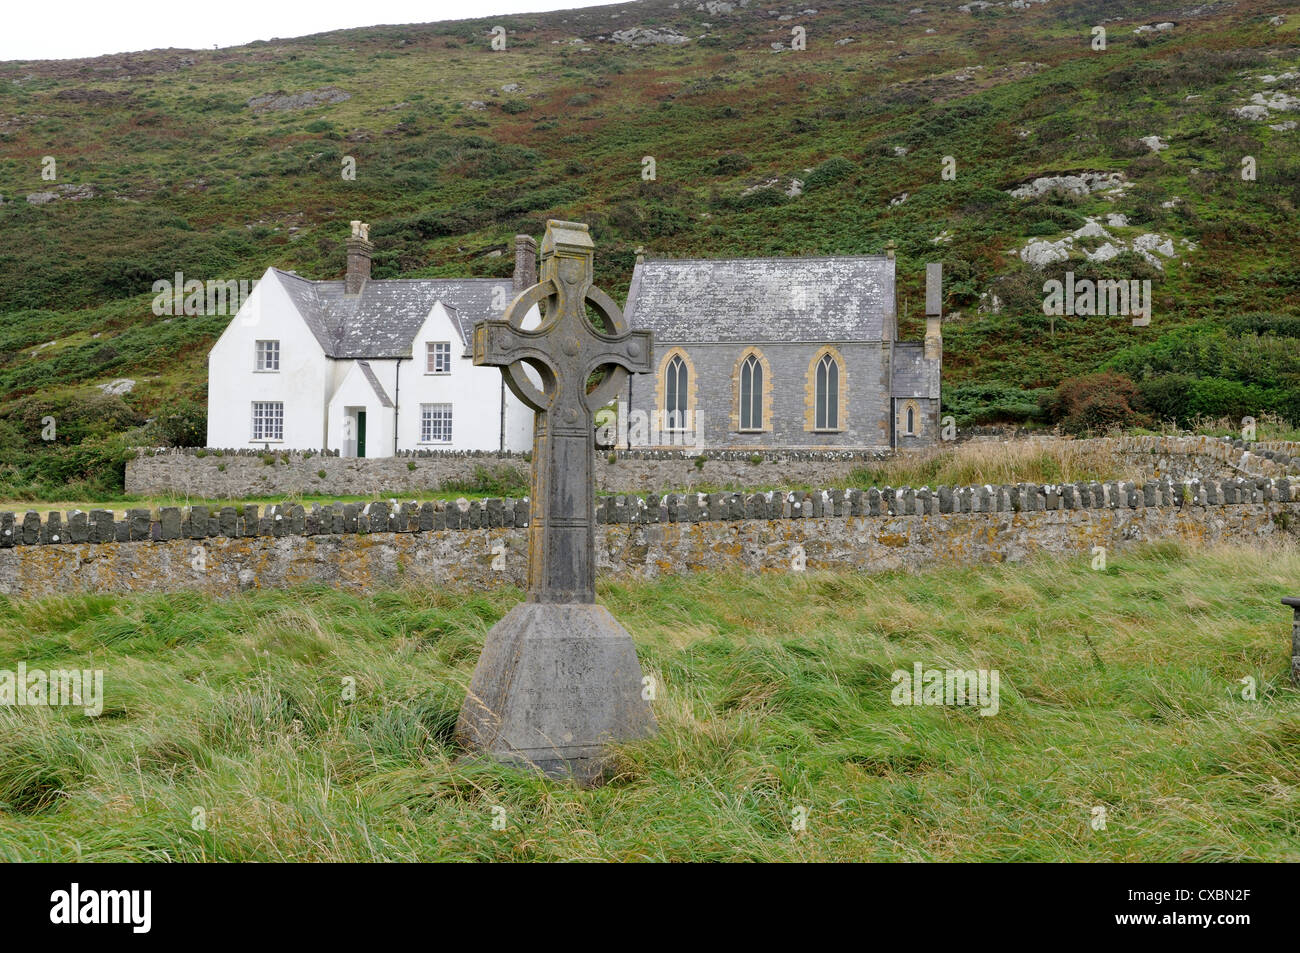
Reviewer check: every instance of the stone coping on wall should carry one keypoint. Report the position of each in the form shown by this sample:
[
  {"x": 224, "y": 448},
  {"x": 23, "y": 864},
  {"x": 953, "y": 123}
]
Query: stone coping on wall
[
  {"x": 1283, "y": 453},
  {"x": 292, "y": 519}
]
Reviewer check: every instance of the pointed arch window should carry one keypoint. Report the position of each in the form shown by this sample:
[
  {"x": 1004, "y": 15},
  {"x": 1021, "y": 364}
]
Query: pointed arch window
[
  {"x": 827, "y": 412},
  {"x": 911, "y": 420},
  {"x": 676, "y": 381},
  {"x": 751, "y": 394}
]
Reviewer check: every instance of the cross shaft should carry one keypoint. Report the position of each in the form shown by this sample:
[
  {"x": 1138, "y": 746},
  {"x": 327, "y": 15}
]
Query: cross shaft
[{"x": 564, "y": 351}]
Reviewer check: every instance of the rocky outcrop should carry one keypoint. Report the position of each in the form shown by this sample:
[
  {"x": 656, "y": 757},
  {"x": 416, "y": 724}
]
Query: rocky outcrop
[
  {"x": 280, "y": 100},
  {"x": 644, "y": 36},
  {"x": 1155, "y": 248},
  {"x": 1084, "y": 183},
  {"x": 73, "y": 193}
]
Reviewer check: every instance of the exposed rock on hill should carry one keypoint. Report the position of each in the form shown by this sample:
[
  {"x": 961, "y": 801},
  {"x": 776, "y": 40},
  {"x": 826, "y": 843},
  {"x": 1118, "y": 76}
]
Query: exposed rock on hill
[
  {"x": 643, "y": 36},
  {"x": 281, "y": 100},
  {"x": 73, "y": 193},
  {"x": 1084, "y": 183}
]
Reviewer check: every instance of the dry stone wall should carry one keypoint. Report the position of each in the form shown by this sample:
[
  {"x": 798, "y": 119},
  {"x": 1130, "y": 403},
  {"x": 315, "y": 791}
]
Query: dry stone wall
[
  {"x": 241, "y": 474},
  {"x": 1186, "y": 458},
  {"x": 482, "y": 544}
]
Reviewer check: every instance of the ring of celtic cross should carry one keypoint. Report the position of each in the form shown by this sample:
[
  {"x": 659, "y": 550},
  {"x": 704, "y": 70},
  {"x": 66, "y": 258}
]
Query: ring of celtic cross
[{"x": 615, "y": 324}]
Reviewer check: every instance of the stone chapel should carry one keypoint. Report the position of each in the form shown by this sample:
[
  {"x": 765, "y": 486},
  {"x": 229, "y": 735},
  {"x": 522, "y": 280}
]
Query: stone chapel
[{"x": 780, "y": 353}]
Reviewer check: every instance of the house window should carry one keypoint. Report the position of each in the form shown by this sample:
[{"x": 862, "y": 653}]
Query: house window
[
  {"x": 435, "y": 423},
  {"x": 827, "y": 414},
  {"x": 751, "y": 394},
  {"x": 268, "y": 355},
  {"x": 438, "y": 357},
  {"x": 268, "y": 420},
  {"x": 675, "y": 382}
]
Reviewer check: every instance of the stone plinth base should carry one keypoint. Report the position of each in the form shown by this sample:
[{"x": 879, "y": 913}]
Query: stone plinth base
[{"x": 555, "y": 684}]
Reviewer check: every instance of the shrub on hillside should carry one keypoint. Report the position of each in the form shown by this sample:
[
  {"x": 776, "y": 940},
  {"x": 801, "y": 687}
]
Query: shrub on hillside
[
  {"x": 832, "y": 170},
  {"x": 732, "y": 163},
  {"x": 89, "y": 470},
  {"x": 1271, "y": 361},
  {"x": 1094, "y": 403},
  {"x": 1166, "y": 397},
  {"x": 553, "y": 197},
  {"x": 759, "y": 198},
  {"x": 1183, "y": 399},
  {"x": 1262, "y": 322},
  {"x": 186, "y": 425},
  {"x": 70, "y": 419},
  {"x": 988, "y": 403},
  {"x": 1216, "y": 397}
]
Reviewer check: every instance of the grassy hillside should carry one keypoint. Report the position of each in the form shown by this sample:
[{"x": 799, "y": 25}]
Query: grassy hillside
[
  {"x": 458, "y": 147},
  {"x": 225, "y": 737}
]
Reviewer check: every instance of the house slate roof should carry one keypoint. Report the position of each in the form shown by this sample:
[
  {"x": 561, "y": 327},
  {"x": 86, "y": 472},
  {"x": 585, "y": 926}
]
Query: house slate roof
[
  {"x": 377, "y": 387},
  {"x": 382, "y": 321},
  {"x": 753, "y": 300}
]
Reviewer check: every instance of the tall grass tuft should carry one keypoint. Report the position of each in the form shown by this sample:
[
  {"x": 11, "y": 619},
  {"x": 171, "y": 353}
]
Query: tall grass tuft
[{"x": 976, "y": 463}]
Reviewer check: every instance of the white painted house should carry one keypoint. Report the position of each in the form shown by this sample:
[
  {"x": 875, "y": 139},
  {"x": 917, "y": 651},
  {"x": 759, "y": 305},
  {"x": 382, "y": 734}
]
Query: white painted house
[{"x": 366, "y": 367}]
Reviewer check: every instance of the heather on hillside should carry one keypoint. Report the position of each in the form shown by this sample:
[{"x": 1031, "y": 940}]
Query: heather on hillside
[{"x": 219, "y": 163}]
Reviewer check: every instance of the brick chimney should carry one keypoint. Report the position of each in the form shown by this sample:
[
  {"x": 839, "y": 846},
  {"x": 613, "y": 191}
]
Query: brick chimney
[
  {"x": 933, "y": 311},
  {"x": 359, "y": 252},
  {"x": 525, "y": 262}
]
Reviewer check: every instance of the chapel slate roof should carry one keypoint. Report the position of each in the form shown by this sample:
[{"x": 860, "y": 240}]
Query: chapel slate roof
[
  {"x": 382, "y": 321},
  {"x": 750, "y": 300}
]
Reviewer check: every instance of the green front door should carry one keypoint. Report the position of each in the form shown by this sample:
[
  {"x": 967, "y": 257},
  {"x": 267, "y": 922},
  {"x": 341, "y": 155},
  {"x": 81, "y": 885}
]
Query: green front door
[{"x": 361, "y": 433}]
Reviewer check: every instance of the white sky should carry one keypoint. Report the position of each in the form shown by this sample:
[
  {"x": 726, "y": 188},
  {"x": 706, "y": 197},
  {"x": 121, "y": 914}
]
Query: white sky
[{"x": 66, "y": 29}]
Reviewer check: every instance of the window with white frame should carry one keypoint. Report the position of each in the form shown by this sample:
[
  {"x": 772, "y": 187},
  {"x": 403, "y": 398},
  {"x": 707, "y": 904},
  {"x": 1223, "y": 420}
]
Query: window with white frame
[
  {"x": 268, "y": 355},
  {"x": 435, "y": 423},
  {"x": 268, "y": 420},
  {"x": 438, "y": 357}
]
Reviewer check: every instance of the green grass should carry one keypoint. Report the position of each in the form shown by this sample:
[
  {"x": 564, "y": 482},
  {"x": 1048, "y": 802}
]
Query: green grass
[{"x": 1119, "y": 689}]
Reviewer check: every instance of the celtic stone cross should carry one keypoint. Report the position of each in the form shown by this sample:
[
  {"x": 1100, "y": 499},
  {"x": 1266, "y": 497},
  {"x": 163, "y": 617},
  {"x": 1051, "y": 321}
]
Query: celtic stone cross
[
  {"x": 566, "y": 351},
  {"x": 559, "y": 679}
]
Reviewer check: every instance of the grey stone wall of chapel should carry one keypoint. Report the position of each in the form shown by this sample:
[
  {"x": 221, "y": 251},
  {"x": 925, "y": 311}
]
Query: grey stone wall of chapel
[
  {"x": 866, "y": 365},
  {"x": 795, "y": 309}
]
